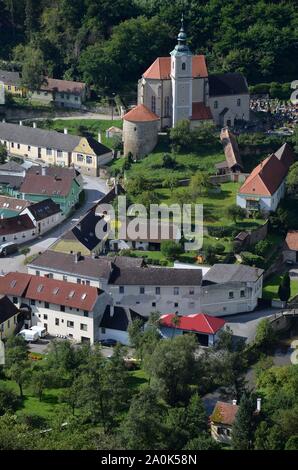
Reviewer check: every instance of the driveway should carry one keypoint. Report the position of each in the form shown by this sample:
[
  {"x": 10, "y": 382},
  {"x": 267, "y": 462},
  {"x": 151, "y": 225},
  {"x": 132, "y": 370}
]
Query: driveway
[
  {"x": 95, "y": 188},
  {"x": 244, "y": 325}
]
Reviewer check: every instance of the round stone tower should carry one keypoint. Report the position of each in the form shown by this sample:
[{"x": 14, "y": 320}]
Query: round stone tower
[{"x": 140, "y": 131}]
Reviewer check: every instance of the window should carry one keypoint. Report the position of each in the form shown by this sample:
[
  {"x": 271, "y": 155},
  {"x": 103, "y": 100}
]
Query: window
[
  {"x": 215, "y": 104},
  {"x": 64, "y": 278},
  {"x": 103, "y": 330},
  {"x": 49, "y": 151},
  {"x": 8, "y": 323},
  {"x": 37, "y": 273},
  {"x": 238, "y": 102},
  {"x": 29, "y": 148},
  {"x": 176, "y": 290},
  {"x": 242, "y": 293},
  {"x": 86, "y": 314},
  {"x": 176, "y": 304},
  {"x": 153, "y": 104},
  {"x": 153, "y": 304},
  {"x": 121, "y": 289},
  {"x": 79, "y": 281},
  {"x": 191, "y": 291},
  {"x": 12, "y": 144},
  {"x": 70, "y": 324},
  {"x": 83, "y": 327},
  {"x": 45, "y": 317},
  {"x": 59, "y": 153},
  {"x": 142, "y": 290},
  {"x": 157, "y": 290},
  {"x": 76, "y": 98},
  {"x": 15, "y": 300},
  {"x": 231, "y": 295},
  {"x": 87, "y": 283},
  {"x": 89, "y": 160},
  {"x": 50, "y": 276},
  {"x": 46, "y": 305},
  {"x": 32, "y": 302},
  {"x": 57, "y": 321},
  {"x": 19, "y": 146},
  {"x": 183, "y": 66},
  {"x": 62, "y": 95},
  {"x": 80, "y": 157},
  {"x": 62, "y": 308}
]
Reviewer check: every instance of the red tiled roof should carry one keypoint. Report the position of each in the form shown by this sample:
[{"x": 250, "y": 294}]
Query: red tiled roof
[
  {"x": 47, "y": 185},
  {"x": 292, "y": 240},
  {"x": 64, "y": 86},
  {"x": 266, "y": 178},
  {"x": 50, "y": 290},
  {"x": 14, "y": 284},
  {"x": 224, "y": 413},
  {"x": 140, "y": 114},
  {"x": 200, "y": 112},
  {"x": 199, "y": 322},
  {"x": 286, "y": 155},
  {"x": 19, "y": 223},
  {"x": 161, "y": 68},
  {"x": 62, "y": 293}
]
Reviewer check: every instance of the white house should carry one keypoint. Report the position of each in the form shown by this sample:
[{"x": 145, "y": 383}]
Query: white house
[
  {"x": 266, "y": 185},
  {"x": 63, "y": 308}
]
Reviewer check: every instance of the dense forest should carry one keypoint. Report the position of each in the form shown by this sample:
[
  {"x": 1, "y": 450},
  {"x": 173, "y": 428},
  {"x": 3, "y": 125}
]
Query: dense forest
[{"x": 110, "y": 43}]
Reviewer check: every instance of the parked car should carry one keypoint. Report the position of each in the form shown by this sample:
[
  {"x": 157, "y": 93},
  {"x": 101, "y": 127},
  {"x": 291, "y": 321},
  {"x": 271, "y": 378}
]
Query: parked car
[
  {"x": 8, "y": 248},
  {"x": 40, "y": 330},
  {"x": 108, "y": 342},
  {"x": 29, "y": 335}
]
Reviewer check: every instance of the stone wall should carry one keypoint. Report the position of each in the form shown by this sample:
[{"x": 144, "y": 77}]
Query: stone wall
[{"x": 139, "y": 138}]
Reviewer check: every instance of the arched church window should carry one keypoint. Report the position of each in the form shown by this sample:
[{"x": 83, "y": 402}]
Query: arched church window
[
  {"x": 153, "y": 104},
  {"x": 183, "y": 65}
]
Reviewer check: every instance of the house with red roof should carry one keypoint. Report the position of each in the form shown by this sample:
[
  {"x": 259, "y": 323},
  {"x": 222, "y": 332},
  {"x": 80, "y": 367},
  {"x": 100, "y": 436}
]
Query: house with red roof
[
  {"x": 179, "y": 87},
  {"x": 203, "y": 326},
  {"x": 290, "y": 251},
  {"x": 222, "y": 420},
  {"x": 63, "y": 308},
  {"x": 266, "y": 185}
]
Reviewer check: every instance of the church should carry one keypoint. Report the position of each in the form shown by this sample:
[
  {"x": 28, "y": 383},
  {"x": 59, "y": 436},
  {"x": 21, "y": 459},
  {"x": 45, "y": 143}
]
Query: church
[{"x": 179, "y": 87}]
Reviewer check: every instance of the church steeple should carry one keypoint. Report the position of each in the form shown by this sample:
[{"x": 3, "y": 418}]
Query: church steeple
[{"x": 181, "y": 47}]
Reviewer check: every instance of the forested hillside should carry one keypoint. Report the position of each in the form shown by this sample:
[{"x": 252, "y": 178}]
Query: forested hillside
[{"x": 109, "y": 43}]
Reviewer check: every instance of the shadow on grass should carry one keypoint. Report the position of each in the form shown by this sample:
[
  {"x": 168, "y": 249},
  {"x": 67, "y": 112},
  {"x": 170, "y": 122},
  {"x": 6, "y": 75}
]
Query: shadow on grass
[{"x": 135, "y": 382}]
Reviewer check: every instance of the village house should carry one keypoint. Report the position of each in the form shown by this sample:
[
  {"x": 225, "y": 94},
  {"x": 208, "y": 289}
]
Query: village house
[
  {"x": 12, "y": 83},
  {"x": 203, "y": 326},
  {"x": 233, "y": 162},
  {"x": 222, "y": 420},
  {"x": 61, "y": 93},
  {"x": 62, "y": 308},
  {"x": 266, "y": 185},
  {"x": 290, "y": 250},
  {"x": 11, "y": 206},
  {"x": 32, "y": 221},
  {"x": 11, "y": 178},
  {"x": 54, "y": 148},
  {"x": 115, "y": 322},
  {"x": 8, "y": 317}
]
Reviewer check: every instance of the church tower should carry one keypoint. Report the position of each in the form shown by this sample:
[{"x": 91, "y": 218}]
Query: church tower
[{"x": 181, "y": 76}]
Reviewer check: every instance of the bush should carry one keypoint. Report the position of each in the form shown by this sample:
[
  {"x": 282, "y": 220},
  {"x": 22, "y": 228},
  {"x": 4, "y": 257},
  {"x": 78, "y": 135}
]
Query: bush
[
  {"x": 252, "y": 259},
  {"x": 8, "y": 400},
  {"x": 171, "y": 249},
  {"x": 262, "y": 247}
]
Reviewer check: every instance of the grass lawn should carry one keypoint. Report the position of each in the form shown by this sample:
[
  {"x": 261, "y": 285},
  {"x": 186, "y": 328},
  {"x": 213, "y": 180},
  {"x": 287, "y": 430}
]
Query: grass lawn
[
  {"x": 270, "y": 290},
  {"x": 137, "y": 379},
  {"x": 78, "y": 126},
  {"x": 47, "y": 408}
]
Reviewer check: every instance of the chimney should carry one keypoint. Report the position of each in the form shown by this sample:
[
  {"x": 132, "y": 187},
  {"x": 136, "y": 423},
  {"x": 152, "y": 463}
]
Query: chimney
[
  {"x": 77, "y": 256},
  {"x": 21, "y": 123},
  {"x": 3, "y": 120},
  {"x": 93, "y": 255},
  {"x": 99, "y": 137},
  {"x": 65, "y": 131},
  {"x": 116, "y": 188},
  {"x": 111, "y": 310},
  {"x": 259, "y": 401},
  {"x": 34, "y": 125},
  {"x": 234, "y": 402},
  {"x": 43, "y": 170}
]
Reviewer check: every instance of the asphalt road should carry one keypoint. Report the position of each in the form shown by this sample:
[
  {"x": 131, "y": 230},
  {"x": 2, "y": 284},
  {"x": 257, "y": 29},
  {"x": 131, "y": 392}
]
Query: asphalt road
[{"x": 94, "y": 188}]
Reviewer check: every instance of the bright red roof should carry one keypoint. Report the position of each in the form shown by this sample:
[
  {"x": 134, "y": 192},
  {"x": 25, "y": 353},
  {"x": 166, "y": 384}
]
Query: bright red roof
[
  {"x": 198, "y": 322},
  {"x": 161, "y": 68},
  {"x": 200, "y": 112},
  {"x": 49, "y": 290},
  {"x": 140, "y": 114},
  {"x": 266, "y": 178}
]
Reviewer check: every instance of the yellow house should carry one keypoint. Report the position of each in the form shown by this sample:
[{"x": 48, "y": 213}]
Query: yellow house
[
  {"x": 12, "y": 83},
  {"x": 55, "y": 148},
  {"x": 8, "y": 317}
]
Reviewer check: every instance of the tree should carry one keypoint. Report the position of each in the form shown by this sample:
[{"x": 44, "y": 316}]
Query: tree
[
  {"x": 8, "y": 400},
  {"x": 198, "y": 182},
  {"x": 203, "y": 442},
  {"x": 180, "y": 136},
  {"x": 262, "y": 247},
  {"x": 225, "y": 340},
  {"x": 170, "y": 249},
  {"x": 14, "y": 435},
  {"x": 284, "y": 291},
  {"x": 170, "y": 182},
  {"x": 265, "y": 335},
  {"x": 236, "y": 213},
  {"x": 172, "y": 368},
  {"x": 169, "y": 162},
  {"x": 33, "y": 67},
  {"x": 175, "y": 322},
  {"x": 143, "y": 427},
  {"x": 147, "y": 198},
  {"x": 40, "y": 379},
  {"x": 292, "y": 179},
  {"x": 25, "y": 251},
  {"x": 3, "y": 154},
  {"x": 244, "y": 425}
]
